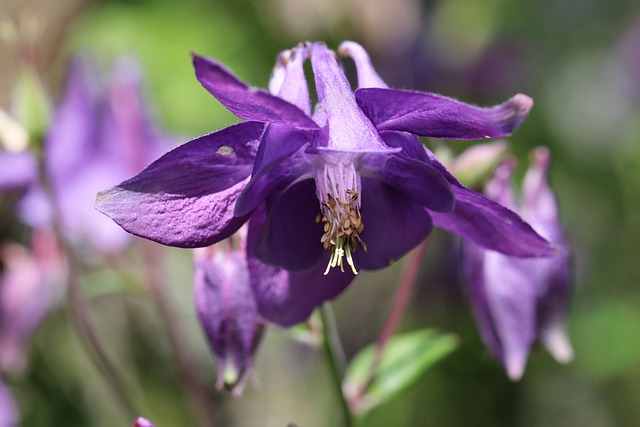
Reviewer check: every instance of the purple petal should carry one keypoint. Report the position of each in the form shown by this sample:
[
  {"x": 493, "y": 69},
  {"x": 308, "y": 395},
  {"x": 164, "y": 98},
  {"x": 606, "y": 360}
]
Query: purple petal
[
  {"x": 393, "y": 225},
  {"x": 17, "y": 170},
  {"x": 349, "y": 130},
  {"x": 286, "y": 298},
  {"x": 279, "y": 142},
  {"x": 490, "y": 225},
  {"x": 436, "y": 116},
  {"x": 540, "y": 208},
  {"x": 288, "y": 81},
  {"x": 477, "y": 218},
  {"x": 503, "y": 296},
  {"x": 272, "y": 180},
  {"x": 186, "y": 197},
  {"x": 409, "y": 144},
  {"x": 9, "y": 415},
  {"x": 227, "y": 311},
  {"x": 418, "y": 180},
  {"x": 246, "y": 102},
  {"x": 367, "y": 76},
  {"x": 290, "y": 237},
  {"x": 73, "y": 136}
]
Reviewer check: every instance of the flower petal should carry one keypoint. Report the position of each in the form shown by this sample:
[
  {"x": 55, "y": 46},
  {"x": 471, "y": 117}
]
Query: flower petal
[
  {"x": 186, "y": 197},
  {"x": 227, "y": 312},
  {"x": 286, "y": 298},
  {"x": 290, "y": 237},
  {"x": 437, "y": 116},
  {"x": 393, "y": 225},
  {"x": 142, "y": 422},
  {"x": 18, "y": 171},
  {"x": 489, "y": 224},
  {"x": 367, "y": 76},
  {"x": 504, "y": 302},
  {"x": 418, "y": 180},
  {"x": 246, "y": 102},
  {"x": 273, "y": 179},
  {"x": 9, "y": 415},
  {"x": 348, "y": 128},
  {"x": 288, "y": 81}
]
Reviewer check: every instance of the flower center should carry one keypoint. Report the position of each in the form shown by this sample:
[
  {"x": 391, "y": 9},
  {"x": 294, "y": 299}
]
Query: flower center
[{"x": 338, "y": 189}]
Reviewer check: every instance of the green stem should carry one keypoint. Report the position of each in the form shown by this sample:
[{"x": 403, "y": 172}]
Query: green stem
[{"x": 335, "y": 359}]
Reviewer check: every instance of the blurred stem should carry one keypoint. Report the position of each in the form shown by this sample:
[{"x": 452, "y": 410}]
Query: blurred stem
[
  {"x": 335, "y": 359},
  {"x": 198, "y": 396},
  {"x": 404, "y": 290},
  {"x": 94, "y": 346}
]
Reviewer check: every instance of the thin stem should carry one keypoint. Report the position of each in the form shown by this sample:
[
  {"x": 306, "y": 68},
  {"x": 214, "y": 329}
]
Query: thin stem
[
  {"x": 334, "y": 355},
  {"x": 404, "y": 290},
  {"x": 94, "y": 346},
  {"x": 198, "y": 395}
]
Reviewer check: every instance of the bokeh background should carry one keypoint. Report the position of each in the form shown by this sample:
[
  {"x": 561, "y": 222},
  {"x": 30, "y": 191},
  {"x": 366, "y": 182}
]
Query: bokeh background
[{"x": 578, "y": 59}]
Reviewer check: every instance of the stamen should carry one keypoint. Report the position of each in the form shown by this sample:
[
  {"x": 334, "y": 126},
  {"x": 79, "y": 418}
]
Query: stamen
[{"x": 338, "y": 187}]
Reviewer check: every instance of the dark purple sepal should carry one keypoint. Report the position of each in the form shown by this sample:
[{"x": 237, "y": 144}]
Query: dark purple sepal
[
  {"x": 393, "y": 225},
  {"x": 418, "y": 180},
  {"x": 286, "y": 298},
  {"x": 186, "y": 197},
  {"x": 244, "y": 101},
  {"x": 290, "y": 236},
  {"x": 437, "y": 116}
]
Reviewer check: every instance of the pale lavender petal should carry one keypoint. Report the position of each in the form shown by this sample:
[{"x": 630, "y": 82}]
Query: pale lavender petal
[
  {"x": 186, "y": 197},
  {"x": 418, "y": 180},
  {"x": 17, "y": 170},
  {"x": 540, "y": 208},
  {"x": 504, "y": 301},
  {"x": 348, "y": 128},
  {"x": 73, "y": 136},
  {"x": 290, "y": 237},
  {"x": 227, "y": 312},
  {"x": 9, "y": 415},
  {"x": 286, "y": 298},
  {"x": 393, "y": 225},
  {"x": 289, "y": 82},
  {"x": 437, "y": 116},
  {"x": 367, "y": 76},
  {"x": 246, "y": 102}
]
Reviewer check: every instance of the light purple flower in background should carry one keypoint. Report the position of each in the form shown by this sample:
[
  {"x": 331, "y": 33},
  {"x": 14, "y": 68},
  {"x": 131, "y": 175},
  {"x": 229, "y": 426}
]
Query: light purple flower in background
[
  {"x": 9, "y": 416},
  {"x": 31, "y": 284},
  {"x": 518, "y": 301},
  {"x": 98, "y": 135},
  {"x": 354, "y": 164}
]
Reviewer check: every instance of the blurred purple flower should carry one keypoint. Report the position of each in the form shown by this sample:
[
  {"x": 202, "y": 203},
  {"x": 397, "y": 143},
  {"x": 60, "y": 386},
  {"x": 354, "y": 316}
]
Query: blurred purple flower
[
  {"x": 517, "y": 301},
  {"x": 31, "y": 284},
  {"x": 227, "y": 310},
  {"x": 353, "y": 164},
  {"x": 8, "y": 410},
  {"x": 142, "y": 422},
  {"x": 98, "y": 135}
]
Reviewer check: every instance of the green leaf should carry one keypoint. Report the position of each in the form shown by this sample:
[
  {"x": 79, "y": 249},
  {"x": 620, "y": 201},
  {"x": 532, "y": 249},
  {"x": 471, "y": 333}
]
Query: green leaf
[{"x": 406, "y": 357}]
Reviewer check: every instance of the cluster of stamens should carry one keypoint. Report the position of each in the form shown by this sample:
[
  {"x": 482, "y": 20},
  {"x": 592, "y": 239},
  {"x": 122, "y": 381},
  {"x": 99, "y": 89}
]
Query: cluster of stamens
[{"x": 342, "y": 222}]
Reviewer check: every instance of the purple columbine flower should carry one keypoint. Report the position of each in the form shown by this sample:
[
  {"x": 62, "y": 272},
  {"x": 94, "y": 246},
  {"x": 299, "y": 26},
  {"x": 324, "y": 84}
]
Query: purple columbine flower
[
  {"x": 517, "y": 301},
  {"x": 227, "y": 309},
  {"x": 343, "y": 186}
]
